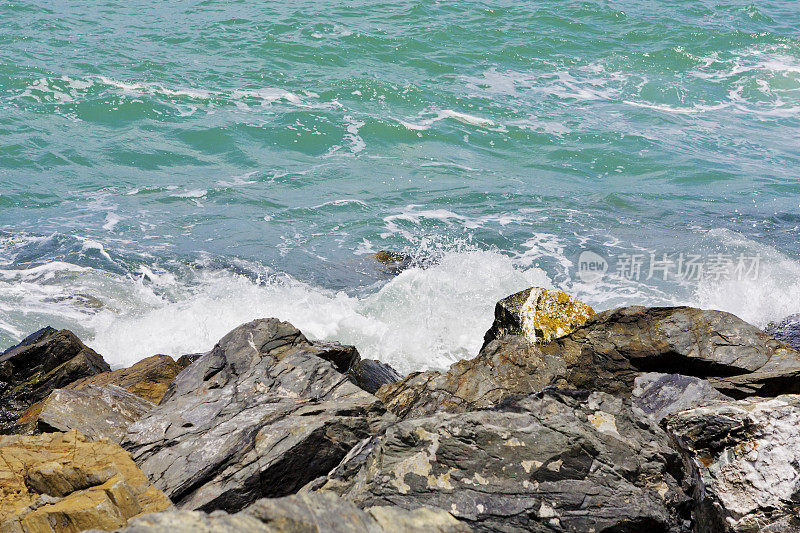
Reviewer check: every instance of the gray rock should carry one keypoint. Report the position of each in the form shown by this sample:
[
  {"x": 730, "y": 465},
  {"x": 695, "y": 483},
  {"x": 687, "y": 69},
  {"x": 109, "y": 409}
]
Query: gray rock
[
  {"x": 745, "y": 458},
  {"x": 259, "y": 416},
  {"x": 787, "y": 331},
  {"x": 659, "y": 395},
  {"x": 315, "y": 512},
  {"x": 44, "y": 361},
  {"x": 371, "y": 375},
  {"x": 556, "y": 461},
  {"x": 94, "y": 411}
]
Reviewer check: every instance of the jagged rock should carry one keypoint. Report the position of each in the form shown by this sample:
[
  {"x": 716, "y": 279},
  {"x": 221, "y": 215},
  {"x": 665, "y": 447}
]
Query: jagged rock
[
  {"x": 44, "y": 361},
  {"x": 94, "y": 411},
  {"x": 62, "y": 482},
  {"x": 557, "y": 461},
  {"x": 787, "y": 331},
  {"x": 148, "y": 379},
  {"x": 609, "y": 351},
  {"x": 371, "y": 375},
  {"x": 511, "y": 365},
  {"x": 315, "y": 512},
  {"x": 259, "y": 416},
  {"x": 187, "y": 359},
  {"x": 539, "y": 315},
  {"x": 746, "y": 463},
  {"x": 659, "y": 395}
]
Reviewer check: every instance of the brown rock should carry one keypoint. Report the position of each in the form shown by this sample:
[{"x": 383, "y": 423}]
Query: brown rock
[{"x": 62, "y": 482}]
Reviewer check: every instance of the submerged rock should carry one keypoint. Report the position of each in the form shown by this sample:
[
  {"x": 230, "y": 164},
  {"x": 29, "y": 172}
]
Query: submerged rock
[
  {"x": 745, "y": 457},
  {"x": 787, "y": 331},
  {"x": 551, "y": 462},
  {"x": 62, "y": 482},
  {"x": 44, "y": 361},
  {"x": 95, "y": 412},
  {"x": 537, "y": 314},
  {"x": 314, "y": 512},
  {"x": 260, "y": 415}
]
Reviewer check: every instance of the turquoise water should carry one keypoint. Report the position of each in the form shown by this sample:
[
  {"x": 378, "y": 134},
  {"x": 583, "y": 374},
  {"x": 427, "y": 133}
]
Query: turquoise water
[{"x": 169, "y": 170}]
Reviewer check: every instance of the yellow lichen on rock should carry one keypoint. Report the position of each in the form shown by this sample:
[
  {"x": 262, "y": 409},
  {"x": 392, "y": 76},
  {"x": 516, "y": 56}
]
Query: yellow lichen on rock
[
  {"x": 62, "y": 482},
  {"x": 550, "y": 314}
]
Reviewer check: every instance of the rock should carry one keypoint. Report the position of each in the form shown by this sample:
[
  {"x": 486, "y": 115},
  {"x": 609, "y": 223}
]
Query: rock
[
  {"x": 393, "y": 263},
  {"x": 259, "y": 416},
  {"x": 62, "y": 482},
  {"x": 556, "y": 461},
  {"x": 322, "y": 512},
  {"x": 537, "y": 314},
  {"x": 187, "y": 359},
  {"x": 44, "y": 361},
  {"x": 148, "y": 379},
  {"x": 659, "y": 395},
  {"x": 613, "y": 347},
  {"x": 95, "y": 412},
  {"x": 745, "y": 457},
  {"x": 504, "y": 367},
  {"x": 371, "y": 375},
  {"x": 787, "y": 331}
]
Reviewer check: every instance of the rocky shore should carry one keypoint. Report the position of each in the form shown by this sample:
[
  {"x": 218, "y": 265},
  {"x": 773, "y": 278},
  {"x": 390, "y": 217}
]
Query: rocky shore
[{"x": 635, "y": 419}]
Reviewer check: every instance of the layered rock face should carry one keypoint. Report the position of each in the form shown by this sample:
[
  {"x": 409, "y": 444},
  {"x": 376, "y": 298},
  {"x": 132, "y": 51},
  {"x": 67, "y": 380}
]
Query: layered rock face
[
  {"x": 548, "y": 462},
  {"x": 787, "y": 331},
  {"x": 260, "y": 415},
  {"x": 313, "y": 512},
  {"x": 46, "y": 360},
  {"x": 745, "y": 458},
  {"x": 65, "y": 483}
]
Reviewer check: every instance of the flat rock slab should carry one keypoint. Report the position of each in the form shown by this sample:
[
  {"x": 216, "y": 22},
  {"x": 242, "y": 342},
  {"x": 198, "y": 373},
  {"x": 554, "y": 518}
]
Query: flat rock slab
[
  {"x": 315, "y": 512},
  {"x": 549, "y": 462},
  {"x": 63, "y": 482},
  {"x": 660, "y": 395},
  {"x": 746, "y": 460},
  {"x": 260, "y": 415}
]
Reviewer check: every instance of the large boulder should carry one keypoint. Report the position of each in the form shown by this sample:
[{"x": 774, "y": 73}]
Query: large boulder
[
  {"x": 745, "y": 457},
  {"x": 556, "y": 461},
  {"x": 95, "y": 412},
  {"x": 44, "y": 361},
  {"x": 539, "y": 315},
  {"x": 259, "y": 416},
  {"x": 304, "y": 513},
  {"x": 371, "y": 375},
  {"x": 63, "y": 482},
  {"x": 148, "y": 379}
]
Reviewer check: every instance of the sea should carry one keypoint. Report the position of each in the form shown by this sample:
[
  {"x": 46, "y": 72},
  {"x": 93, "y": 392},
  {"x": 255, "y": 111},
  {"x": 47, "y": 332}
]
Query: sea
[{"x": 170, "y": 170}]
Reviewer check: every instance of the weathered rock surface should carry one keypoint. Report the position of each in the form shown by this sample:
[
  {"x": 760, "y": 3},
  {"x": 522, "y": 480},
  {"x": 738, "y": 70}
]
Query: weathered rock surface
[
  {"x": 259, "y": 416},
  {"x": 557, "y": 461},
  {"x": 539, "y": 315},
  {"x": 746, "y": 460},
  {"x": 93, "y": 411},
  {"x": 371, "y": 375},
  {"x": 62, "y": 482},
  {"x": 511, "y": 365},
  {"x": 44, "y": 361},
  {"x": 148, "y": 379},
  {"x": 659, "y": 395},
  {"x": 314, "y": 512},
  {"x": 787, "y": 331}
]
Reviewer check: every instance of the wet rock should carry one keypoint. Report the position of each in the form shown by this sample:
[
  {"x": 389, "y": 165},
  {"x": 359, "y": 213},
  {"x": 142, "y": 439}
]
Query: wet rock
[
  {"x": 745, "y": 457},
  {"x": 511, "y": 365},
  {"x": 537, "y": 314},
  {"x": 787, "y": 331},
  {"x": 322, "y": 512},
  {"x": 62, "y": 482},
  {"x": 187, "y": 359},
  {"x": 609, "y": 351},
  {"x": 259, "y": 416},
  {"x": 371, "y": 375},
  {"x": 95, "y": 412},
  {"x": 556, "y": 461},
  {"x": 148, "y": 379},
  {"x": 393, "y": 263},
  {"x": 659, "y": 395},
  {"x": 44, "y": 361}
]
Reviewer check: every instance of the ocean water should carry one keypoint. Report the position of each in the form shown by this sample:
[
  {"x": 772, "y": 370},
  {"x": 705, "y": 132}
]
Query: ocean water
[{"x": 171, "y": 170}]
